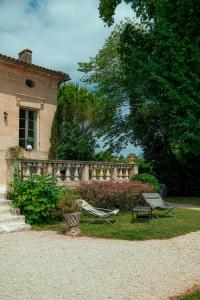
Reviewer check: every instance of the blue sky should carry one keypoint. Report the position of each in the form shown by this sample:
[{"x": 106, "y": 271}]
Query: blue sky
[{"x": 60, "y": 33}]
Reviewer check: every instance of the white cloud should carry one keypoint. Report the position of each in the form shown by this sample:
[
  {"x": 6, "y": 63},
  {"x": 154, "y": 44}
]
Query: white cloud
[{"x": 61, "y": 33}]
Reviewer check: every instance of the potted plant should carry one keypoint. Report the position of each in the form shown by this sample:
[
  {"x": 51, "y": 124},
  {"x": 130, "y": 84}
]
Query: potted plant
[
  {"x": 71, "y": 211},
  {"x": 29, "y": 143}
]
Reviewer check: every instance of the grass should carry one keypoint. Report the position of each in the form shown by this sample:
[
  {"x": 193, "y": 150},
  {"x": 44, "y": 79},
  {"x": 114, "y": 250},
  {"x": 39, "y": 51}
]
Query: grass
[
  {"x": 184, "y": 200},
  {"x": 159, "y": 228},
  {"x": 193, "y": 296}
]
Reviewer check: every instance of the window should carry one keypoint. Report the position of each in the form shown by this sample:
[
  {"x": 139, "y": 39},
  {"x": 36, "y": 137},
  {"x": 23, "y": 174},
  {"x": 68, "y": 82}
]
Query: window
[
  {"x": 30, "y": 83},
  {"x": 27, "y": 126}
]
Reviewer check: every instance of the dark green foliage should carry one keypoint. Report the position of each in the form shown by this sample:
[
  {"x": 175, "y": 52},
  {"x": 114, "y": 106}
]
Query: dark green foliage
[
  {"x": 106, "y": 156},
  {"x": 73, "y": 130},
  {"x": 143, "y": 165},
  {"x": 107, "y": 9},
  {"x": 37, "y": 198},
  {"x": 147, "y": 178},
  {"x": 158, "y": 60},
  {"x": 166, "y": 102},
  {"x": 105, "y": 73}
]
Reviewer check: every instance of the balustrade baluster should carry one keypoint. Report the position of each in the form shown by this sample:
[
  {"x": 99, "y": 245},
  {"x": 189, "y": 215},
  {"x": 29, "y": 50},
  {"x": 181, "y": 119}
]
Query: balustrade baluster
[
  {"x": 44, "y": 168},
  {"x": 94, "y": 174},
  {"x": 120, "y": 174},
  {"x": 101, "y": 174},
  {"x": 85, "y": 173},
  {"x": 126, "y": 177},
  {"x": 135, "y": 170},
  {"x": 27, "y": 172},
  {"x": 38, "y": 170},
  {"x": 49, "y": 169},
  {"x": 76, "y": 173},
  {"x": 108, "y": 175},
  {"x": 115, "y": 174},
  {"x": 58, "y": 172},
  {"x": 67, "y": 174}
]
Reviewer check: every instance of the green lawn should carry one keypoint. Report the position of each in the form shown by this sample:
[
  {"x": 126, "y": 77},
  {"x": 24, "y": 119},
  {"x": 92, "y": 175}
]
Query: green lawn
[
  {"x": 193, "y": 296},
  {"x": 184, "y": 200},
  {"x": 159, "y": 228}
]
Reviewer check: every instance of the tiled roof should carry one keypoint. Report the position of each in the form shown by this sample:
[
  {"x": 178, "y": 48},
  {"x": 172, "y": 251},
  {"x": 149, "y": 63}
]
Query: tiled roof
[{"x": 33, "y": 66}]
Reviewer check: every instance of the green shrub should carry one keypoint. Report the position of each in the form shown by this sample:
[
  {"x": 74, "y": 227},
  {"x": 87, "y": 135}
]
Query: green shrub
[
  {"x": 37, "y": 198},
  {"x": 147, "y": 178},
  {"x": 122, "y": 195},
  {"x": 143, "y": 165}
]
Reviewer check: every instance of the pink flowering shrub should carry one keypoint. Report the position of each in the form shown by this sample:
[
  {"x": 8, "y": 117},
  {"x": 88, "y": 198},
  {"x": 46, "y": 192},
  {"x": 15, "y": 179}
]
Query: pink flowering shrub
[{"x": 122, "y": 195}]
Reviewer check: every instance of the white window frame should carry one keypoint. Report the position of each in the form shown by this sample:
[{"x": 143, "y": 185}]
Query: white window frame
[{"x": 27, "y": 119}]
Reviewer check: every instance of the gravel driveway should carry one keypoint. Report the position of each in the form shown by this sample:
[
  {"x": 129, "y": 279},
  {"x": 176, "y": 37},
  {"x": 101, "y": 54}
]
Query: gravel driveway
[{"x": 46, "y": 265}]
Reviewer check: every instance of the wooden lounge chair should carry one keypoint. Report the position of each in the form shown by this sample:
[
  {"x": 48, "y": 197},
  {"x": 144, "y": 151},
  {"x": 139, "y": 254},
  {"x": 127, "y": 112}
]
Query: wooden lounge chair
[
  {"x": 98, "y": 213},
  {"x": 156, "y": 202}
]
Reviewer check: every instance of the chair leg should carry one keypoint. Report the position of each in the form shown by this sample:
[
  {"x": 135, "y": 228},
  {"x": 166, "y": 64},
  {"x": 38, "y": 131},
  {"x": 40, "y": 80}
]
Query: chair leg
[
  {"x": 165, "y": 214},
  {"x": 99, "y": 218},
  {"x": 169, "y": 212},
  {"x": 107, "y": 221}
]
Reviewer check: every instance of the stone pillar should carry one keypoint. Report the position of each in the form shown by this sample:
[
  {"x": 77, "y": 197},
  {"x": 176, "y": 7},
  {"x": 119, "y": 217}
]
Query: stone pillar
[
  {"x": 101, "y": 174},
  {"x": 135, "y": 169},
  {"x": 76, "y": 173},
  {"x": 85, "y": 173},
  {"x": 115, "y": 174},
  {"x": 94, "y": 174}
]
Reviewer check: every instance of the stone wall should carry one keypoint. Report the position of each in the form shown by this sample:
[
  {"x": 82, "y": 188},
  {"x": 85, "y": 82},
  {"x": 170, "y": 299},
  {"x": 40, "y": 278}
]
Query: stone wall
[{"x": 15, "y": 94}]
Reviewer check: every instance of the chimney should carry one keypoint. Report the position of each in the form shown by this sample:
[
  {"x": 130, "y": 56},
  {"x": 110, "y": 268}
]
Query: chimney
[{"x": 26, "y": 56}]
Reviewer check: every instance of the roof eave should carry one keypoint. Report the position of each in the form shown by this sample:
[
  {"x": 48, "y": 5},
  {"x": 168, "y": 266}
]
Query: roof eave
[{"x": 62, "y": 75}]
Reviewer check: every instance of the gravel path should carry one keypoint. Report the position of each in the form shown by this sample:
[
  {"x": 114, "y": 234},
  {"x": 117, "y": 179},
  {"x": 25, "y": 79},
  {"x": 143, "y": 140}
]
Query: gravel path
[
  {"x": 189, "y": 206},
  {"x": 46, "y": 265}
]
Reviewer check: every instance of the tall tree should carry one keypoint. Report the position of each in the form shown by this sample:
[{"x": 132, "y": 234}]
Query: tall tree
[
  {"x": 105, "y": 74},
  {"x": 159, "y": 59},
  {"x": 73, "y": 130}
]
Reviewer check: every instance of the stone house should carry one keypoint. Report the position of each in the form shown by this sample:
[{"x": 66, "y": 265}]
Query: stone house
[{"x": 28, "y": 94}]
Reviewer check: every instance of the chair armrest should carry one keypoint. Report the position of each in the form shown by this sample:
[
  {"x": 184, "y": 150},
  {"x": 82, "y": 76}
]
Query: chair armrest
[
  {"x": 170, "y": 204},
  {"x": 104, "y": 209}
]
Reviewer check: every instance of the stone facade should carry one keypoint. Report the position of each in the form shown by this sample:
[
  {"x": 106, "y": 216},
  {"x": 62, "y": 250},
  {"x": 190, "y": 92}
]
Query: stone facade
[{"x": 15, "y": 94}]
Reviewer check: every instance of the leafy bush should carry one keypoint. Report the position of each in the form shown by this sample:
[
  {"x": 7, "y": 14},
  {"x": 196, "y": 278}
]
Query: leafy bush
[
  {"x": 122, "y": 195},
  {"x": 68, "y": 203},
  {"x": 143, "y": 165},
  {"x": 37, "y": 198},
  {"x": 147, "y": 178}
]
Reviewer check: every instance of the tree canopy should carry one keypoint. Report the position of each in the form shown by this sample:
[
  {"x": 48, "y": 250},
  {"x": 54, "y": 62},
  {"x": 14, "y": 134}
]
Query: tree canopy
[
  {"x": 73, "y": 130},
  {"x": 157, "y": 71},
  {"x": 105, "y": 74}
]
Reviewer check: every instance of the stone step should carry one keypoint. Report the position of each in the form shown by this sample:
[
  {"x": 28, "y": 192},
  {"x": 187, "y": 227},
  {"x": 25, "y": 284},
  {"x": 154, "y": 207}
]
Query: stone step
[
  {"x": 3, "y": 196},
  {"x": 4, "y": 203},
  {"x": 5, "y": 210},
  {"x": 11, "y": 227},
  {"x": 11, "y": 219}
]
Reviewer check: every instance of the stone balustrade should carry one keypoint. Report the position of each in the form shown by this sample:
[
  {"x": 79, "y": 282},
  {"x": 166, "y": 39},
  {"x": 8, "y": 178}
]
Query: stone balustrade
[{"x": 74, "y": 172}]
